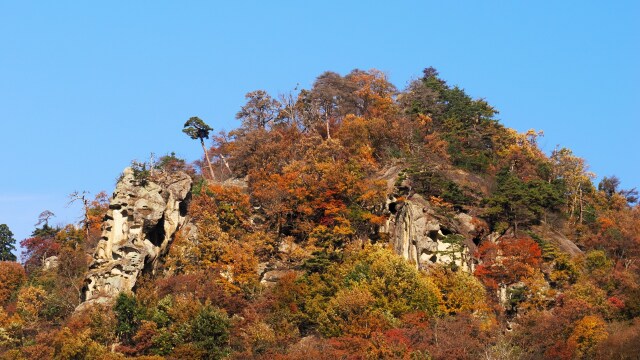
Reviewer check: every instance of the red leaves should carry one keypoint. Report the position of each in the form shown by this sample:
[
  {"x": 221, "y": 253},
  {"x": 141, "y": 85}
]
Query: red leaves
[
  {"x": 507, "y": 261},
  {"x": 36, "y": 249},
  {"x": 616, "y": 302}
]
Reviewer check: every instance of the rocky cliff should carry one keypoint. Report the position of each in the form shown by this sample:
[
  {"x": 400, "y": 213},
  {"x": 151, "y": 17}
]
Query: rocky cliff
[
  {"x": 423, "y": 234},
  {"x": 424, "y": 238},
  {"x": 143, "y": 217}
]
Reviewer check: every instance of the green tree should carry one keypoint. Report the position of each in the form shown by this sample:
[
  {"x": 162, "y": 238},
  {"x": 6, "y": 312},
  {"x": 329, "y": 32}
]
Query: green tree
[
  {"x": 516, "y": 202},
  {"x": 610, "y": 187},
  {"x": 468, "y": 125},
  {"x": 210, "y": 332},
  {"x": 198, "y": 129},
  {"x": 6, "y": 244},
  {"x": 128, "y": 317}
]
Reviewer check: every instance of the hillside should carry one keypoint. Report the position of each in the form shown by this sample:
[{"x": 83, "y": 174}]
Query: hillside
[{"x": 350, "y": 220}]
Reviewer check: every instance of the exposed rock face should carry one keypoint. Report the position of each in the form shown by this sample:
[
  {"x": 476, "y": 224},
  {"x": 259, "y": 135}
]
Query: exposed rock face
[
  {"x": 280, "y": 265},
  {"x": 418, "y": 235},
  {"x": 555, "y": 237},
  {"x": 423, "y": 235},
  {"x": 51, "y": 263},
  {"x": 142, "y": 220}
]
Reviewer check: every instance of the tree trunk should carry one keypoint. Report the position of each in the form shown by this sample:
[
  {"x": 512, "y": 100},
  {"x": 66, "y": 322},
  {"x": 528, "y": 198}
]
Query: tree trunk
[
  {"x": 85, "y": 204},
  {"x": 226, "y": 164},
  {"x": 572, "y": 208},
  {"x": 327, "y": 123},
  {"x": 206, "y": 155},
  {"x": 581, "y": 205}
]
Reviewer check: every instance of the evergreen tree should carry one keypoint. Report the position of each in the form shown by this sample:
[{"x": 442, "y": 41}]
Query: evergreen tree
[
  {"x": 516, "y": 202},
  {"x": 195, "y": 128},
  {"x": 6, "y": 244}
]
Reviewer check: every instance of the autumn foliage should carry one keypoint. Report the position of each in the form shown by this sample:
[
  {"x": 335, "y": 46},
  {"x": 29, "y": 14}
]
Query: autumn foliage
[
  {"x": 508, "y": 261},
  {"x": 12, "y": 275},
  {"x": 287, "y": 254}
]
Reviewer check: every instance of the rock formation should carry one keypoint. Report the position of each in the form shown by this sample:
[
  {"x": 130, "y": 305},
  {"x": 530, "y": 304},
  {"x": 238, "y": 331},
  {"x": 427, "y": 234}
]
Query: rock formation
[
  {"x": 143, "y": 217},
  {"x": 51, "y": 263},
  {"x": 422, "y": 235}
]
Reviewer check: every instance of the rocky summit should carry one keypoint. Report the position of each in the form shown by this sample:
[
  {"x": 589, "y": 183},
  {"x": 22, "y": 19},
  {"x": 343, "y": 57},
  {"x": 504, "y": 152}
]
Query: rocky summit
[{"x": 143, "y": 217}]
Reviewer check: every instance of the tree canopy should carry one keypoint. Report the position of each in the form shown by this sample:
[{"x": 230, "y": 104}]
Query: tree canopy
[
  {"x": 7, "y": 244},
  {"x": 298, "y": 222}
]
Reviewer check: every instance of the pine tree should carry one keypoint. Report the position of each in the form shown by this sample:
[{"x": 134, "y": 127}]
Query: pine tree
[{"x": 6, "y": 244}]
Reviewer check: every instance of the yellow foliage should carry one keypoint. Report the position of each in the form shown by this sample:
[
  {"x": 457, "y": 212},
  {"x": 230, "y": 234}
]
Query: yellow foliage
[
  {"x": 10, "y": 331},
  {"x": 461, "y": 292},
  {"x": 69, "y": 346},
  {"x": 258, "y": 337},
  {"x": 13, "y": 354},
  {"x": 587, "y": 334},
  {"x": 538, "y": 293},
  {"x": 369, "y": 290},
  {"x": 31, "y": 300},
  {"x": 183, "y": 309},
  {"x": 3, "y": 317},
  {"x": 351, "y": 311}
]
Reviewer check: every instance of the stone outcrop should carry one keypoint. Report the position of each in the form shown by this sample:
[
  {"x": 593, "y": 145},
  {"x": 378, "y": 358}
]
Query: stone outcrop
[
  {"x": 50, "y": 263},
  {"x": 424, "y": 235},
  {"x": 419, "y": 235},
  {"x": 143, "y": 217},
  {"x": 547, "y": 232}
]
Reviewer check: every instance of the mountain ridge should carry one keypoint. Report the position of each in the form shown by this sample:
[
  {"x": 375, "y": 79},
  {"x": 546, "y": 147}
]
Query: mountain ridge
[{"x": 349, "y": 220}]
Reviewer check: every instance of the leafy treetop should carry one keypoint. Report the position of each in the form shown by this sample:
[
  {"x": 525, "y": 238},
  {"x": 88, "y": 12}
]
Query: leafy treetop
[{"x": 196, "y": 128}]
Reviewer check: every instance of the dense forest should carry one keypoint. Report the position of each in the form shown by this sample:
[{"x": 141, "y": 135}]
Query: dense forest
[{"x": 289, "y": 252}]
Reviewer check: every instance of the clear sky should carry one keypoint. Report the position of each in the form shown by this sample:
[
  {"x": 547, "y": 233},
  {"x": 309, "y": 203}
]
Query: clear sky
[{"x": 85, "y": 87}]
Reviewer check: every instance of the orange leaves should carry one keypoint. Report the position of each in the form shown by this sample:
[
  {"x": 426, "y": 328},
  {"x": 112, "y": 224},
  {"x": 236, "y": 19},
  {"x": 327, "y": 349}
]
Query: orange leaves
[
  {"x": 96, "y": 210},
  {"x": 441, "y": 203},
  {"x": 587, "y": 334},
  {"x": 226, "y": 241},
  {"x": 523, "y": 251},
  {"x": 229, "y": 204},
  {"x": 279, "y": 193},
  {"x": 322, "y": 189},
  {"x": 437, "y": 146},
  {"x": 425, "y": 120},
  {"x": 374, "y": 90},
  {"x": 605, "y": 223},
  {"x": 12, "y": 275},
  {"x": 333, "y": 208},
  {"x": 371, "y": 192},
  {"x": 508, "y": 261},
  {"x": 617, "y": 231},
  {"x": 373, "y": 219}
]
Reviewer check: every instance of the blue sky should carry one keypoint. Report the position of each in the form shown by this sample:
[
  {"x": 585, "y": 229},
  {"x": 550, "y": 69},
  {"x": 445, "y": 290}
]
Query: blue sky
[{"x": 86, "y": 87}]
